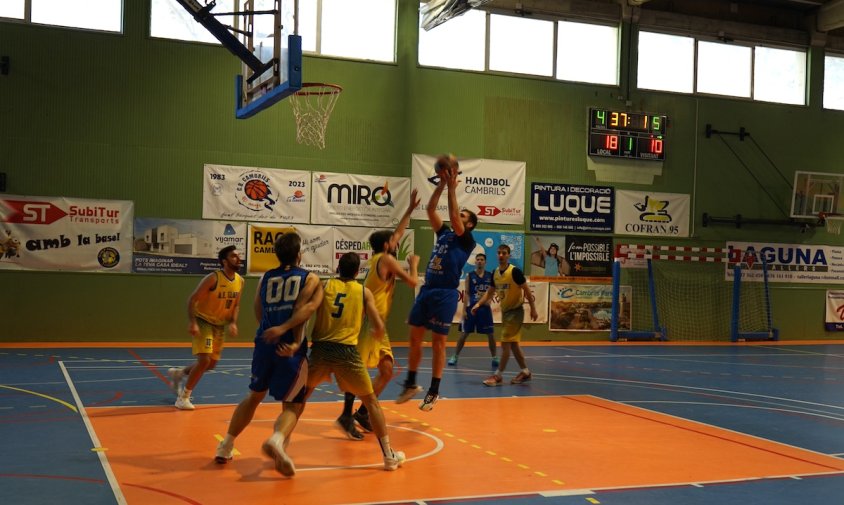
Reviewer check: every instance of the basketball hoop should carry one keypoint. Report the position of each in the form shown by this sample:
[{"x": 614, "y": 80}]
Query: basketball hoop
[
  {"x": 312, "y": 106},
  {"x": 833, "y": 222}
]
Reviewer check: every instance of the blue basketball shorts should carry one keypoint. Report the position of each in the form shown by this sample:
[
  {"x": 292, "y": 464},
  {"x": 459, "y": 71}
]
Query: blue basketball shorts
[
  {"x": 480, "y": 322},
  {"x": 285, "y": 377},
  {"x": 434, "y": 309}
]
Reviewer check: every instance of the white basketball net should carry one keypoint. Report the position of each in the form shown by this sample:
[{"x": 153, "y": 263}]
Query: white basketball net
[
  {"x": 312, "y": 106},
  {"x": 833, "y": 224}
]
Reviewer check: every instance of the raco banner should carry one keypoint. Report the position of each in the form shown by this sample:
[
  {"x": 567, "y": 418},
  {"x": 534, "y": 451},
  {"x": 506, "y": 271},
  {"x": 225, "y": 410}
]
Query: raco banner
[
  {"x": 255, "y": 194},
  {"x": 492, "y": 189},
  {"x": 70, "y": 234}
]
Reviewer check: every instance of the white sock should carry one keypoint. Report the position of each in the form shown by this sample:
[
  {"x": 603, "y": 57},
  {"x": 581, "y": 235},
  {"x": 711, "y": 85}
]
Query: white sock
[
  {"x": 276, "y": 438},
  {"x": 385, "y": 445},
  {"x": 186, "y": 393},
  {"x": 228, "y": 440},
  {"x": 526, "y": 371}
]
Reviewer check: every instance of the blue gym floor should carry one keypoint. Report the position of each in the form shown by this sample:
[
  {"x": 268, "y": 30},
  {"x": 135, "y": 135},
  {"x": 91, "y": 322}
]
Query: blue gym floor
[{"x": 788, "y": 393}]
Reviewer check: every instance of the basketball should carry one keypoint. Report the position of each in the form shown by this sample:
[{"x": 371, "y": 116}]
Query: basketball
[
  {"x": 445, "y": 162},
  {"x": 256, "y": 190}
]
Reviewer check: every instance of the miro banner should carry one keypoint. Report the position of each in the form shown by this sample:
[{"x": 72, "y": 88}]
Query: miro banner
[
  {"x": 571, "y": 207},
  {"x": 183, "y": 246},
  {"x": 256, "y": 194},
  {"x": 72, "y": 234},
  {"x": 363, "y": 200},
  {"x": 817, "y": 264},
  {"x": 493, "y": 189},
  {"x": 652, "y": 214}
]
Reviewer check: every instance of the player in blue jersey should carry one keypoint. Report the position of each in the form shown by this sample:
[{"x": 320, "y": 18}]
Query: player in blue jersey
[
  {"x": 279, "y": 359},
  {"x": 436, "y": 303},
  {"x": 477, "y": 283}
]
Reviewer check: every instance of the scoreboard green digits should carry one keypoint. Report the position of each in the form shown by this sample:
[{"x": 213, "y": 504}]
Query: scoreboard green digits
[{"x": 620, "y": 134}]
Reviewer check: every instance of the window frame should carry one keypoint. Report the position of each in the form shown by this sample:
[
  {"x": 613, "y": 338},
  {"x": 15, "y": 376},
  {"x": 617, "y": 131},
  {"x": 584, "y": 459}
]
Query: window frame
[{"x": 27, "y": 19}]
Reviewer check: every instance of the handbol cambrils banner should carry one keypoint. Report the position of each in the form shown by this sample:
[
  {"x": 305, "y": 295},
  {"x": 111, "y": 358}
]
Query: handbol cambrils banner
[
  {"x": 58, "y": 233},
  {"x": 492, "y": 189},
  {"x": 358, "y": 200},
  {"x": 256, "y": 194}
]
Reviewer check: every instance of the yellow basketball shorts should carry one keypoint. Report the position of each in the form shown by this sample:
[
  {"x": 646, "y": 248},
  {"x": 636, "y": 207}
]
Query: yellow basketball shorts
[
  {"x": 511, "y": 324},
  {"x": 344, "y": 362},
  {"x": 209, "y": 340}
]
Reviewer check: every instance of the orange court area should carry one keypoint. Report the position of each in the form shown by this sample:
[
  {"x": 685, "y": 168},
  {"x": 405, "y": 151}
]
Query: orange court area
[{"x": 464, "y": 448}]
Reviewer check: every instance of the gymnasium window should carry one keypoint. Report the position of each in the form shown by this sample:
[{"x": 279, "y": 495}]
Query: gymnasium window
[
  {"x": 833, "y": 82},
  {"x": 666, "y": 62},
  {"x": 599, "y": 64},
  {"x": 440, "y": 47},
  {"x": 779, "y": 75},
  {"x": 327, "y": 27},
  {"x": 670, "y": 63},
  {"x": 169, "y": 20},
  {"x": 521, "y": 45},
  {"x": 723, "y": 69},
  {"x": 102, "y": 15}
]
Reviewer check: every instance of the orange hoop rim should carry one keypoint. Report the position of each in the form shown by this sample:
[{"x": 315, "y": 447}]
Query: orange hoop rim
[{"x": 332, "y": 89}]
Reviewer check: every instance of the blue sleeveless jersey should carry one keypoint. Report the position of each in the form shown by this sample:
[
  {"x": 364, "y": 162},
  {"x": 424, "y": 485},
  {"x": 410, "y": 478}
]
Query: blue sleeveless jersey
[
  {"x": 448, "y": 257},
  {"x": 279, "y": 291},
  {"x": 478, "y": 285}
]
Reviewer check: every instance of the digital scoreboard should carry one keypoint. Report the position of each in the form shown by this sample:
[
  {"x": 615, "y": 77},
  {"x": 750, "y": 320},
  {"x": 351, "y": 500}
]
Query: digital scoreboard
[{"x": 634, "y": 135}]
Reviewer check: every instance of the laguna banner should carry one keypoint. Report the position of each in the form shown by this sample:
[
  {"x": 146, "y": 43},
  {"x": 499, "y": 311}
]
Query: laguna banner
[
  {"x": 571, "y": 207},
  {"x": 493, "y": 189},
  {"x": 652, "y": 214},
  {"x": 817, "y": 264},
  {"x": 58, "y": 233},
  {"x": 256, "y": 194},
  {"x": 358, "y": 200},
  {"x": 183, "y": 246}
]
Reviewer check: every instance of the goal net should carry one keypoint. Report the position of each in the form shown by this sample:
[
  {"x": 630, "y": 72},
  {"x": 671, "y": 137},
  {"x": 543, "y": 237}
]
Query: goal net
[{"x": 682, "y": 294}]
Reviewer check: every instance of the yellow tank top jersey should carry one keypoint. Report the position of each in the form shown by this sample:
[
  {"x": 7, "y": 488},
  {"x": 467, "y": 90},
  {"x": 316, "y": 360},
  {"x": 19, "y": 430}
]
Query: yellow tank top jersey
[
  {"x": 340, "y": 316},
  {"x": 510, "y": 295},
  {"x": 382, "y": 291},
  {"x": 217, "y": 306}
]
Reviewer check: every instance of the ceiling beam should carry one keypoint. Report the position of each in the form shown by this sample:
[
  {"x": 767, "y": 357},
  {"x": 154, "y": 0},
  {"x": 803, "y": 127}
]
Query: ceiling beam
[{"x": 831, "y": 16}]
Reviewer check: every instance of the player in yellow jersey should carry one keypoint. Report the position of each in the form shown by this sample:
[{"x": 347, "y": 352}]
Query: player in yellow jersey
[
  {"x": 212, "y": 306},
  {"x": 339, "y": 319},
  {"x": 511, "y": 288},
  {"x": 384, "y": 270}
]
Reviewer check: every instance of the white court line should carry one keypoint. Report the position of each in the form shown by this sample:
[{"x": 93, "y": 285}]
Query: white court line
[{"x": 112, "y": 480}]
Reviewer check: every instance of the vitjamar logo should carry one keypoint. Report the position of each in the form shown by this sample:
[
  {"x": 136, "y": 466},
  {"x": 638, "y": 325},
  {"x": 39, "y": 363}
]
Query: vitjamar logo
[{"x": 357, "y": 194}]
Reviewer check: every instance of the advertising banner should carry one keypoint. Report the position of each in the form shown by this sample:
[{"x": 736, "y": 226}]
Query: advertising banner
[
  {"x": 359, "y": 200},
  {"x": 817, "y": 264},
  {"x": 834, "y": 320},
  {"x": 548, "y": 257},
  {"x": 487, "y": 242},
  {"x": 493, "y": 189},
  {"x": 316, "y": 247},
  {"x": 652, "y": 214},
  {"x": 348, "y": 238},
  {"x": 182, "y": 246},
  {"x": 72, "y": 234},
  {"x": 589, "y": 256},
  {"x": 256, "y": 194},
  {"x": 571, "y": 207},
  {"x": 586, "y": 307},
  {"x": 539, "y": 290}
]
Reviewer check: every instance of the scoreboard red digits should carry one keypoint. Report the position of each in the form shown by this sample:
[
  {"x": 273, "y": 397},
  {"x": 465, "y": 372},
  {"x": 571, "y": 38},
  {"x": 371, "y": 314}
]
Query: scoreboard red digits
[{"x": 634, "y": 135}]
